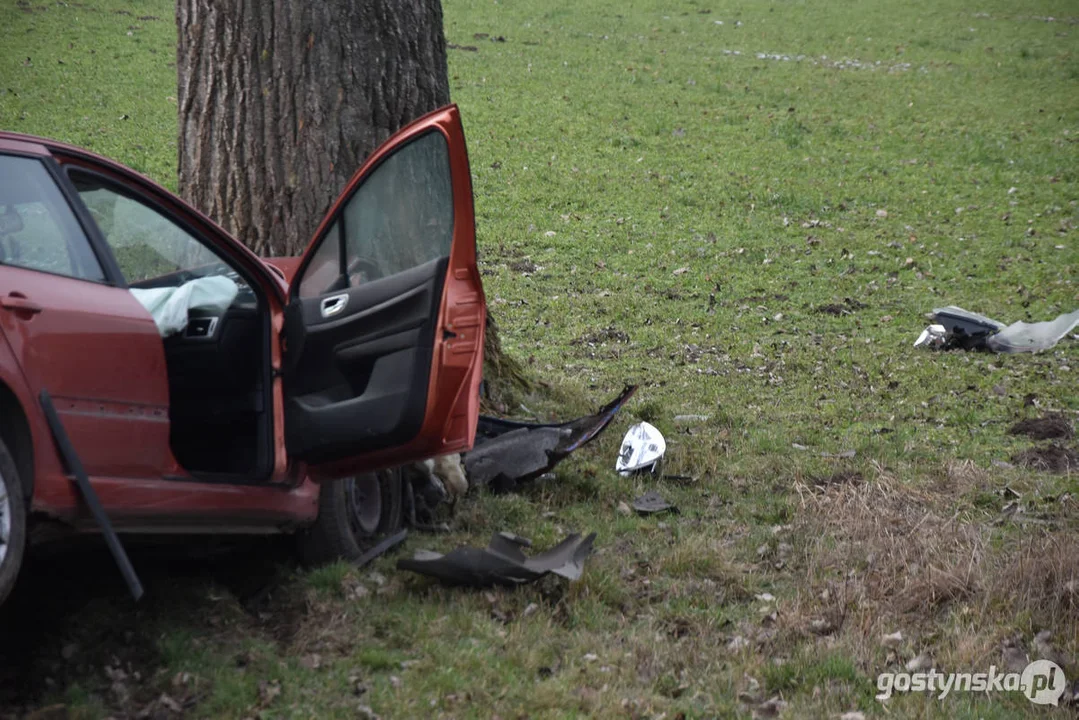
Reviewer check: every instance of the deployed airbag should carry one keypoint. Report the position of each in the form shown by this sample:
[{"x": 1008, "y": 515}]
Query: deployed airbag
[{"x": 169, "y": 306}]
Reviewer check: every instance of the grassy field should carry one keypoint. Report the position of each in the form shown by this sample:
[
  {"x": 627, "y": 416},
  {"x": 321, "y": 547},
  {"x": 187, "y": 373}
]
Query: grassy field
[{"x": 747, "y": 208}]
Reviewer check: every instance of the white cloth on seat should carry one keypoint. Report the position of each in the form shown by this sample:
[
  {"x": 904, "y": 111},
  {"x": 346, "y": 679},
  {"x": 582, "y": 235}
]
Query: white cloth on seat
[{"x": 169, "y": 305}]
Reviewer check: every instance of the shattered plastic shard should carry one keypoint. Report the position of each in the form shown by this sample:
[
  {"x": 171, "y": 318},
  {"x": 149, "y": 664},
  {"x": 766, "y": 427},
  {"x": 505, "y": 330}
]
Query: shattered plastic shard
[
  {"x": 642, "y": 447},
  {"x": 652, "y": 502},
  {"x": 1033, "y": 337},
  {"x": 971, "y": 331},
  {"x": 502, "y": 562}
]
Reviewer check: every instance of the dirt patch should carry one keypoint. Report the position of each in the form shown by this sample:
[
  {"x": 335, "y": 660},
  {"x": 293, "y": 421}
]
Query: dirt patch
[
  {"x": 1049, "y": 427},
  {"x": 525, "y": 266},
  {"x": 849, "y": 306},
  {"x": 607, "y": 334},
  {"x": 850, "y": 477},
  {"x": 1051, "y": 458}
]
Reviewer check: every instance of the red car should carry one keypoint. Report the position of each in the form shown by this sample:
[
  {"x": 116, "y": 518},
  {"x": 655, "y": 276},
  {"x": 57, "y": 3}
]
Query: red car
[{"x": 206, "y": 390}]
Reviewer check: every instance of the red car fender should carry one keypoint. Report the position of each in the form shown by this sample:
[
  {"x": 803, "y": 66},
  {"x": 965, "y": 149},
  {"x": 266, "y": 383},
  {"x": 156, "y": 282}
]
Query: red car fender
[{"x": 41, "y": 472}]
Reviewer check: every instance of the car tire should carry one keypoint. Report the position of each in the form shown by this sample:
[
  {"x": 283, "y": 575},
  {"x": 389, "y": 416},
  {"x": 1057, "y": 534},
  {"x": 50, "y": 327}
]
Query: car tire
[
  {"x": 12, "y": 522},
  {"x": 354, "y": 514}
]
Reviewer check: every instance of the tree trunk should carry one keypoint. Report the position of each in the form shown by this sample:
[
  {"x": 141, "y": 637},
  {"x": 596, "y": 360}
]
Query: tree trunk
[{"x": 281, "y": 101}]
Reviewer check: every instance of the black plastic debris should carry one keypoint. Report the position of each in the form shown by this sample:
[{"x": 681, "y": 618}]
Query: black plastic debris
[
  {"x": 510, "y": 452},
  {"x": 651, "y": 503},
  {"x": 381, "y": 549},
  {"x": 955, "y": 327},
  {"x": 502, "y": 562}
]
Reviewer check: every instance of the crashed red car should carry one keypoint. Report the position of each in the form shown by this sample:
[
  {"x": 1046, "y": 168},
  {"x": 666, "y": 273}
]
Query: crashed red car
[{"x": 207, "y": 390}]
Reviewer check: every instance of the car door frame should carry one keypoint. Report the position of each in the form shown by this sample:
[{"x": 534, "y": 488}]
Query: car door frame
[
  {"x": 270, "y": 286},
  {"x": 429, "y": 440}
]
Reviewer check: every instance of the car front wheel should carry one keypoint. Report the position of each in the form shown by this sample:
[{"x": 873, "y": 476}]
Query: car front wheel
[
  {"x": 12, "y": 523},
  {"x": 353, "y": 515}
]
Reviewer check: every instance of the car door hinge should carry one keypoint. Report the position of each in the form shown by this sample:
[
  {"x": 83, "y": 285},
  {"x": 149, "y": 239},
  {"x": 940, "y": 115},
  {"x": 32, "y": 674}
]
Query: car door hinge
[{"x": 276, "y": 372}]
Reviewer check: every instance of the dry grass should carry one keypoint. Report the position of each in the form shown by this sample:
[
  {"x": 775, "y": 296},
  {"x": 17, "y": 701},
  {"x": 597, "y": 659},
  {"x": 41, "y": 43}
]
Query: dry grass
[{"x": 883, "y": 556}]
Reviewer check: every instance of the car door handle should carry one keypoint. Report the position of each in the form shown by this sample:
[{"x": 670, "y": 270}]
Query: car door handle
[
  {"x": 20, "y": 304},
  {"x": 333, "y": 305}
]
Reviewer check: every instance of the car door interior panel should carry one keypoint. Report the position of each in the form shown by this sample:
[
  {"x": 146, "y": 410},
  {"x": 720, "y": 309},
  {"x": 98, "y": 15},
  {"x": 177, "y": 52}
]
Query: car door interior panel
[
  {"x": 376, "y": 372},
  {"x": 358, "y": 379}
]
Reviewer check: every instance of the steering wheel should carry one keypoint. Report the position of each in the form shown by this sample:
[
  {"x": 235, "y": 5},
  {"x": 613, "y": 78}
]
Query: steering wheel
[{"x": 370, "y": 270}]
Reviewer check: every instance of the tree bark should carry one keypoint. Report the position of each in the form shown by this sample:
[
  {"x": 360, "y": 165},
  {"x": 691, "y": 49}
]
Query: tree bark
[{"x": 280, "y": 102}]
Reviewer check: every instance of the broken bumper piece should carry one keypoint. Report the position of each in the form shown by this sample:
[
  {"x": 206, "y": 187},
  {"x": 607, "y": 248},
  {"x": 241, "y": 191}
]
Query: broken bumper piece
[
  {"x": 642, "y": 451},
  {"x": 502, "y": 562},
  {"x": 509, "y": 452},
  {"x": 958, "y": 328}
]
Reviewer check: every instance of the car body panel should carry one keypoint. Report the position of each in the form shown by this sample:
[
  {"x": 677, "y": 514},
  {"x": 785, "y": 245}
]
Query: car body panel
[{"x": 102, "y": 395}]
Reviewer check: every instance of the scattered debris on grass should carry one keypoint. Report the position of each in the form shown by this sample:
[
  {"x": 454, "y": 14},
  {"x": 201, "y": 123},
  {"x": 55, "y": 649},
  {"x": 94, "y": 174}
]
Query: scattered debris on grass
[
  {"x": 381, "y": 548},
  {"x": 652, "y": 503},
  {"x": 502, "y": 562},
  {"x": 955, "y": 327},
  {"x": 510, "y": 452},
  {"x": 642, "y": 450}
]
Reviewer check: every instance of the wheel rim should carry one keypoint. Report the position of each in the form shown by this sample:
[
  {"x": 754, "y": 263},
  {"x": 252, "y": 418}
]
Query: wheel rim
[
  {"x": 364, "y": 495},
  {"x": 5, "y": 521}
]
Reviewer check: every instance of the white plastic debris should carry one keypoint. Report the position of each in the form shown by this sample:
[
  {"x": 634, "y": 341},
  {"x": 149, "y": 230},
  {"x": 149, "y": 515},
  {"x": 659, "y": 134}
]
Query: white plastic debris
[
  {"x": 961, "y": 328},
  {"x": 642, "y": 450},
  {"x": 934, "y": 336}
]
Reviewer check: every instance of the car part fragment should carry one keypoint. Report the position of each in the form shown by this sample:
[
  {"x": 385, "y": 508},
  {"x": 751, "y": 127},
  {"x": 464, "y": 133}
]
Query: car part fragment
[
  {"x": 509, "y": 452},
  {"x": 651, "y": 503},
  {"x": 502, "y": 562},
  {"x": 74, "y": 466},
  {"x": 381, "y": 549},
  {"x": 955, "y": 327},
  {"x": 642, "y": 450}
]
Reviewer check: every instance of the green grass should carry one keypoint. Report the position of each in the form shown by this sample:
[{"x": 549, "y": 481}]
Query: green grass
[{"x": 647, "y": 161}]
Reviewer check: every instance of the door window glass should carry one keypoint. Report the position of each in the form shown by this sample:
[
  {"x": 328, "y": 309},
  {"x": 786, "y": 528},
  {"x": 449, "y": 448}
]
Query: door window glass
[
  {"x": 400, "y": 217},
  {"x": 38, "y": 229},
  {"x": 151, "y": 249}
]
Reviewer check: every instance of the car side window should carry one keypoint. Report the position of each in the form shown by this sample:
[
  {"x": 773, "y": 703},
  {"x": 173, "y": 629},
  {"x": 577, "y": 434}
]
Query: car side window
[
  {"x": 400, "y": 217},
  {"x": 151, "y": 249},
  {"x": 38, "y": 229}
]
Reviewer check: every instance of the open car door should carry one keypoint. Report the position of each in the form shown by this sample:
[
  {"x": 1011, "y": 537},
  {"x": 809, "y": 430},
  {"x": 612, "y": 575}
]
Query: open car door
[{"x": 385, "y": 320}]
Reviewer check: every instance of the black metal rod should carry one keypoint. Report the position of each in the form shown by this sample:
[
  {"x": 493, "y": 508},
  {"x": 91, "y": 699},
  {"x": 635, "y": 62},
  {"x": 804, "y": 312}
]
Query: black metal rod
[{"x": 74, "y": 466}]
